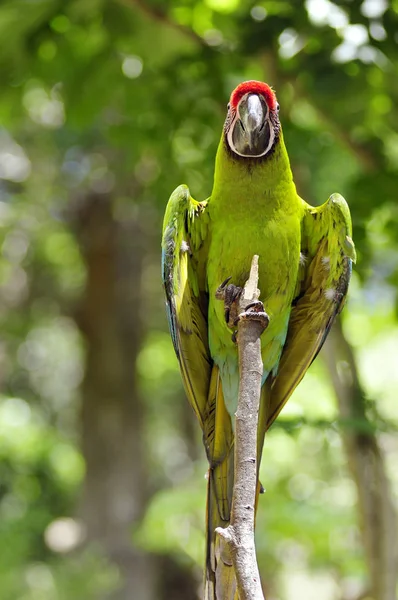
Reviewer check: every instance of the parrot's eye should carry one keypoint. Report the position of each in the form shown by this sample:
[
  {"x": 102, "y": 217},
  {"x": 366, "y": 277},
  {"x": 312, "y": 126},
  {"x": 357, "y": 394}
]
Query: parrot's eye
[
  {"x": 228, "y": 105},
  {"x": 277, "y": 107}
]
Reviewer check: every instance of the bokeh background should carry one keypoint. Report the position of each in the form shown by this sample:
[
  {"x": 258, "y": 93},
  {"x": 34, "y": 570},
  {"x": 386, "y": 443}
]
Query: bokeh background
[{"x": 105, "y": 107}]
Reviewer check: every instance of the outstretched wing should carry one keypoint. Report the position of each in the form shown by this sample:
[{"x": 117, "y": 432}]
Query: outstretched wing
[
  {"x": 183, "y": 245},
  {"x": 328, "y": 253}
]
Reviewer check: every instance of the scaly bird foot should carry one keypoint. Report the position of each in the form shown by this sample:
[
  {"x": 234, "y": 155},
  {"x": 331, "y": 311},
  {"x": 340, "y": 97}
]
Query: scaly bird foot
[
  {"x": 230, "y": 294},
  {"x": 254, "y": 312}
]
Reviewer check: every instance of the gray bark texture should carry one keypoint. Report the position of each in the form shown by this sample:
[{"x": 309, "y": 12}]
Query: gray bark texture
[
  {"x": 366, "y": 462},
  {"x": 240, "y": 533}
]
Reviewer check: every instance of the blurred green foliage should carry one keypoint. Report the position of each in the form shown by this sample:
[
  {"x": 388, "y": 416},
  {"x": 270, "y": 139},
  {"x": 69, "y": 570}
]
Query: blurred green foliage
[{"x": 126, "y": 98}]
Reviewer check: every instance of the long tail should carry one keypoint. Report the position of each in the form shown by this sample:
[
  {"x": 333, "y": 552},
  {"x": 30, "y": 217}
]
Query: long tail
[{"x": 220, "y": 581}]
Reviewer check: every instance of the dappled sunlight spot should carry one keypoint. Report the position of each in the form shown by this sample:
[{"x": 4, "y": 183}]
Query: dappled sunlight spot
[
  {"x": 379, "y": 373},
  {"x": 213, "y": 37},
  {"x": 46, "y": 109},
  {"x": 356, "y": 34},
  {"x": 223, "y": 6},
  {"x": 311, "y": 586},
  {"x": 290, "y": 43},
  {"x": 355, "y": 45},
  {"x": 67, "y": 463},
  {"x": 258, "y": 13},
  {"x": 345, "y": 52},
  {"x": 374, "y": 9},
  {"x": 40, "y": 579},
  {"x": 369, "y": 54},
  {"x": 324, "y": 12},
  {"x": 132, "y": 66},
  {"x": 14, "y": 412},
  {"x": 377, "y": 31},
  {"x": 64, "y": 535},
  {"x": 343, "y": 494},
  {"x": 14, "y": 163}
]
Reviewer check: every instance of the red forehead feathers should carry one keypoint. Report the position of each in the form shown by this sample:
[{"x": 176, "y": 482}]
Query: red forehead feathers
[{"x": 254, "y": 87}]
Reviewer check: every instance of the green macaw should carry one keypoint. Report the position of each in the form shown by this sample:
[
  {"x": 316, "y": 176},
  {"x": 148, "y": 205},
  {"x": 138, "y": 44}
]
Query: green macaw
[{"x": 305, "y": 261}]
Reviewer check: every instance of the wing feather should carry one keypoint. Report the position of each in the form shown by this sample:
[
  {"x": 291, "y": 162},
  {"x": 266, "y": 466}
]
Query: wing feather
[
  {"x": 184, "y": 236},
  {"x": 329, "y": 252}
]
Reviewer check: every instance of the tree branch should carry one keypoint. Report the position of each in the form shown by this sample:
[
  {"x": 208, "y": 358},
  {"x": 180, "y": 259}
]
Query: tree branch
[{"x": 240, "y": 533}]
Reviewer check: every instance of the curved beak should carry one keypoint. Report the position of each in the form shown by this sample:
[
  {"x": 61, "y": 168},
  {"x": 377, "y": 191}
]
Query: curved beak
[
  {"x": 251, "y": 133},
  {"x": 252, "y": 115}
]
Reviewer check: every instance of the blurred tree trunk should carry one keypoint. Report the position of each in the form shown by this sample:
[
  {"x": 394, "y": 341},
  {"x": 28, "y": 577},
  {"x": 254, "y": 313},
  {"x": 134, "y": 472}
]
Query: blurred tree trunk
[
  {"x": 365, "y": 459},
  {"x": 115, "y": 490}
]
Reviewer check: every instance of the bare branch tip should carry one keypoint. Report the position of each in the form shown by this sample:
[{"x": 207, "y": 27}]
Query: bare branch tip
[{"x": 226, "y": 533}]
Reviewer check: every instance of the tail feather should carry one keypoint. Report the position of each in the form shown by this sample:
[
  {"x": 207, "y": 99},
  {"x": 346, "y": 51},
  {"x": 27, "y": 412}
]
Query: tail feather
[
  {"x": 220, "y": 583},
  {"x": 220, "y": 580}
]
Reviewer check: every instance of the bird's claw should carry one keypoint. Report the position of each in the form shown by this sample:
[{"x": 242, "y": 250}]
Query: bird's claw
[
  {"x": 230, "y": 294},
  {"x": 254, "y": 312},
  {"x": 222, "y": 286}
]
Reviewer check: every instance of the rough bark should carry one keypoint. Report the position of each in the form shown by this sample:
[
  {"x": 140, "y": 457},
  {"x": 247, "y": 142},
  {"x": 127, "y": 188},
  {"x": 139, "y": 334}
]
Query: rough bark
[
  {"x": 366, "y": 462},
  {"x": 240, "y": 533}
]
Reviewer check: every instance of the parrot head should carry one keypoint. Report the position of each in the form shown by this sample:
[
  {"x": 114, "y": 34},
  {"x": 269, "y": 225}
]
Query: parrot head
[{"x": 252, "y": 127}]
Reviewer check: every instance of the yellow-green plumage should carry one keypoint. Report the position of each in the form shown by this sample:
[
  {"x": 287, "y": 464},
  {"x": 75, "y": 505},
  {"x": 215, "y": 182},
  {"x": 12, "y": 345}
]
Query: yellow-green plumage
[{"x": 305, "y": 256}]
